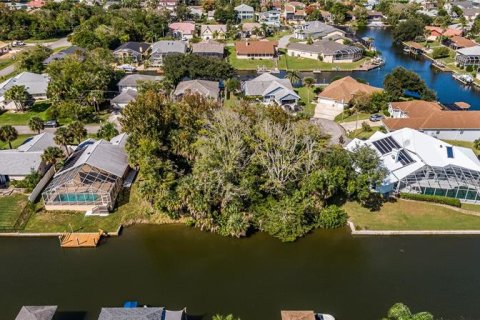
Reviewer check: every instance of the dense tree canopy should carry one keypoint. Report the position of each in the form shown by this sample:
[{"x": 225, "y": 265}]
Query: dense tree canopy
[
  {"x": 178, "y": 66},
  {"x": 32, "y": 60},
  {"x": 402, "y": 81},
  {"x": 408, "y": 30},
  {"x": 233, "y": 170}
]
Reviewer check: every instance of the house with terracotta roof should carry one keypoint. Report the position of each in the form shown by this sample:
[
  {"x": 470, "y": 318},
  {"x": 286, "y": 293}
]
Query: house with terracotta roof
[
  {"x": 182, "y": 30},
  {"x": 458, "y": 42},
  {"x": 263, "y": 49},
  {"x": 434, "y": 32},
  {"x": 337, "y": 95},
  {"x": 432, "y": 119}
]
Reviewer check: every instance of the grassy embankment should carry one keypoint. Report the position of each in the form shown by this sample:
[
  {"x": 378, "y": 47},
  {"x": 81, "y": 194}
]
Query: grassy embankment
[
  {"x": 10, "y": 209},
  {"x": 412, "y": 215}
]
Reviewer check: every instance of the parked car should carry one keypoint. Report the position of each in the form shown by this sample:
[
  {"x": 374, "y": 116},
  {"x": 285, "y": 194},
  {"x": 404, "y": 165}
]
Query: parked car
[
  {"x": 16, "y": 43},
  {"x": 50, "y": 124},
  {"x": 376, "y": 117}
]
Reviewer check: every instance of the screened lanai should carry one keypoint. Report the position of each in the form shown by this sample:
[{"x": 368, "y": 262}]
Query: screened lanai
[{"x": 92, "y": 177}]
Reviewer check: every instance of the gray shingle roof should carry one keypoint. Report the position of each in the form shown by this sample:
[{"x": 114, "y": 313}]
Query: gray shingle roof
[
  {"x": 131, "y": 314},
  {"x": 35, "y": 84},
  {"x": 17, "y": 163},
  {"x": 204, "y": 87},
  {"x": 318, "y": 29},
  {"x": 38, "y": 142},
  {"x": 139, "y": 47},
  {"x": 125, "y": 97},
  {"x": 36, "y": 313},
  {"x": 120, "y": 140},
  {"x": 167, "y": 46},
  {"x": 208, "y": 47},
  {"x": 257, "y": 86},
  {"x": 64, "y": 53}
]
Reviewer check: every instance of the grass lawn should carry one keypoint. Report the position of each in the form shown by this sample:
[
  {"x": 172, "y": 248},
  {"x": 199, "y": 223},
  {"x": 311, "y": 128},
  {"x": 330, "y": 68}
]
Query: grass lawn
[
  {"x": 471, "y": 207},
  {"x": 465, "y": 144},
  {"x": 247, "y": 64},
  {"x": 231, "y": 102},
  {"x": 307, "y": 98},
  {"x": 5, "y": 63},
  {"x": 21, "y": 118},
  {"x": 280, "y": 34},
  {"x": 405, "y": 215},
  {"x": 294, "y": 63},
  {"x": 10, "y": 209},
  {"x": 131, "y": 209},
  {"x": 362, "y": 134},
  {"x": 345, "y": 116},
  {"x": 15, "y": 143}
]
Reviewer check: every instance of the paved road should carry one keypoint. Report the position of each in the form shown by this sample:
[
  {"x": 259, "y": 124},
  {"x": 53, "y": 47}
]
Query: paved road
[
  {"x": 333, "y": 129},
  {"x": 63, "y": 42},
  {"x": 91, "y": 128},
  {"x": 7, "y": 70},
  {"x": 352, "y": 125},
  {"x": 283, "y": 41}
]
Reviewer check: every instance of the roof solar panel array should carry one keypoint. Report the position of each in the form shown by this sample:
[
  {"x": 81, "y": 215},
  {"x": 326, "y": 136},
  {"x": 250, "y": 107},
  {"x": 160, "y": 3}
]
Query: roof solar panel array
[
  {"x": 386, "y": 145},
  {"x": 404, "y": 158}
]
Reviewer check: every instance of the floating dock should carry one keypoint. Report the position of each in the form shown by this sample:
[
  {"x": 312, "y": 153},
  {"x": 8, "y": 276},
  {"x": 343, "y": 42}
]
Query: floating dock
[{"x": 80, "y": 240}]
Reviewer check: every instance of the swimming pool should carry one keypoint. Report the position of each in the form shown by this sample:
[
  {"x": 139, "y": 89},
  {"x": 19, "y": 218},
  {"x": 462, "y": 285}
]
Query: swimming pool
[{"x": 77, "y": 197}]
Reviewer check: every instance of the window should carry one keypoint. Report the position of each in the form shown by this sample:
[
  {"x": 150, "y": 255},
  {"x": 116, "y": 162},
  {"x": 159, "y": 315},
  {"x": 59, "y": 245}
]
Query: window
[{"x": 450, "y": 152}]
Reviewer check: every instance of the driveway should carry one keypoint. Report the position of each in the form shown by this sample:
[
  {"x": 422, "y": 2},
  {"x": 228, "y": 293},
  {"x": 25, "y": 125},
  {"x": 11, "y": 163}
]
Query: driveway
[
  {"x": 352, "y": 125},
  {"x": 283, "y": 41},
  {"x": 333, "y": 129}
]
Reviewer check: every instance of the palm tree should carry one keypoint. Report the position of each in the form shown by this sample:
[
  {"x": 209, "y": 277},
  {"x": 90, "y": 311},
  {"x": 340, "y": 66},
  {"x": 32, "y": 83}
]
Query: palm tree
[
  {"x": 222, "y": 317},
  {"x": 8, "y": 134},
  {"x": 293, "y": 76},
  {"x": 107, "y": 131},
  {"x": 19, "y": 96},
  {"x": 63, "y": 137},
  {"x": 35, "y": 124},
  {"x": 308, "y": 83},
  {"x": 51, "y": 155},
  {"x": 78, "y": 131}
]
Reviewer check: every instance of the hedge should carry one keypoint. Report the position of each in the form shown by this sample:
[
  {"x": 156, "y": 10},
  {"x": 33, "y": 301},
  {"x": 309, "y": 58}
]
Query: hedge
[{"x": 437, "y": 199}]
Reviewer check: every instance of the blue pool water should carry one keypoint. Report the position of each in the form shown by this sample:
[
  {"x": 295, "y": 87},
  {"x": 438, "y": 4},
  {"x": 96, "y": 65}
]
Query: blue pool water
[{"x": 76, "y": 197}]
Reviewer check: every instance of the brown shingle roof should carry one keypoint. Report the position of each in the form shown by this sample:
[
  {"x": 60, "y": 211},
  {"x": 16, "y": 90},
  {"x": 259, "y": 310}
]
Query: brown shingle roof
[
  {"x": 255, "y": 47},
  {"x": 463, "y": 42},
  {"x": 297, "y": 315},
  {"x": 344, "y": 89},
  {"x": 424, "y": 115}
]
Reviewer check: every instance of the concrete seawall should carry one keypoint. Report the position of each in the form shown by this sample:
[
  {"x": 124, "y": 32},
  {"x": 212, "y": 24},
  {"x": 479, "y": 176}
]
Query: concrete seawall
[{"x": 356, "y": 232}]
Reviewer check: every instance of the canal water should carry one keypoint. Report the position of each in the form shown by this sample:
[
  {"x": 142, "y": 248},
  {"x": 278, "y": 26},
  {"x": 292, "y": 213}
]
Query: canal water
[{"x": 353, "y": 278}]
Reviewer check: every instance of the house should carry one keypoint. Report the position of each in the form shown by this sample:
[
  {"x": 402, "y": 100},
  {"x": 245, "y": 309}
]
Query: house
[
  {"x": 209, "y": 49},
  {"x": 250, "y": 28},
  {"x": 35, "y": 84},
  {"x": 124, "y": 98},
  {"x": 431, "y": 118},
  {"x": 208, "y": 89},
  {"x": 131, "y": 52},
  {"x": 244, "y": 12},
  {"x": 36, "y": 313},
  {"x": 146, "y": 313},
  {"x": 134, "y": 81},
  {"x": 35, "y": 4},
  {"x": 263, "y": 49},
  {"x": 213, "y": 31},
  {"x": 62, "y": 54},
  {"x": 433, "y": 32},
  {"x": 325, "y": 50},
  {"x": 458, "y": 42},
  {"x": 4, "y": 48},
  {"x": 421, "y": 164},
  {"x": 270, "y": 18},
  {"x": 16, "y": 164},
  {"x": 170, "y": 5},
  {"x": 90, "y": 179},
  {"x": 316, "y": 30},
  {"x": 196, "y": 11},
  {"x": 468, "y": 57},
  {"x": 375, "y": 18},
  {"x": 163, "y": 48},
  {"x": 182, "y": 30},
  {"x": 471, "y": 13},
  {"x": 272, "y": 90},
  {"x": 333, "y": 100}
]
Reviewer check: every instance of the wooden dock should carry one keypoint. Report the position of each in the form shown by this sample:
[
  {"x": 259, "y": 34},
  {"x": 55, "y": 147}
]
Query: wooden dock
[{"x": 80, "y": 240}]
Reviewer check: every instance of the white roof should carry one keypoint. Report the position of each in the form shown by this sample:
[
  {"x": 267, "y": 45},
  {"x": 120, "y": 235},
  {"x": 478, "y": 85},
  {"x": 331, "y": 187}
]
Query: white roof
[
  {"x": 472, "y": 51},
  {"x": 34, "y": 83},
  {"x": 422, "y": 149},
  {"x": 244, "y": 7}
]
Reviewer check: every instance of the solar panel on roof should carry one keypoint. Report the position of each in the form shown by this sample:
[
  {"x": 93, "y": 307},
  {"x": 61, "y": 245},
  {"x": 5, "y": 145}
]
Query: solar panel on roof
[
  {"x": 404, "y": 158},
  {"x": 386, "y": 145},
  {"x": 72, "y": 159}
]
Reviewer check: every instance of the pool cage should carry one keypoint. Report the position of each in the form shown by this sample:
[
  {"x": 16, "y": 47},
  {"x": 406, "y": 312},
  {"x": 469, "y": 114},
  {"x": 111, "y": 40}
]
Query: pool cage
[
  {"x": 83, "y": 186},
  {"x": 468, "y": 60},
  {"x": 450, "y": 181},
  {"x": 348, "y": 53}
]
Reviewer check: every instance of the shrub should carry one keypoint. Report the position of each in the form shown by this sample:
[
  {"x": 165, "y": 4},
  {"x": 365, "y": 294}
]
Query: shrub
[
  {"x": 476, "y": 144},
  {"x": 469, "y": 69},
  {"x": 366, "y": 127},
  {"x": 332, "y": 217},
  {"x": 30, "y": 181},
  {"x": 428, "y": 198}
]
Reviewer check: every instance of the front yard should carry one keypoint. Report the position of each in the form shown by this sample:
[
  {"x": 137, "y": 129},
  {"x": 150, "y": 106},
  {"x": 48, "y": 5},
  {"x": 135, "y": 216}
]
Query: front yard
[
  {"x": 39, "y": 109},
  {"x": 406, "y": 215},
  {"x": 15, "y": 143}
]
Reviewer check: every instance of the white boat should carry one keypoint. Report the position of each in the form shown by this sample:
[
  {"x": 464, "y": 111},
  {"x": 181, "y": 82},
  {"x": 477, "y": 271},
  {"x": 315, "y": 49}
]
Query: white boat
[
  {"x": 466, "y": 79},
  {"x": 324, "y": 316}
]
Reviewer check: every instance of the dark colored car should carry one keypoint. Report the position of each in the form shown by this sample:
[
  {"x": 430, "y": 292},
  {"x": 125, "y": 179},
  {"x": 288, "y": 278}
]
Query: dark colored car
[
  {"x": 376, "y": 117},
  {"x": 50, "y": 124}
]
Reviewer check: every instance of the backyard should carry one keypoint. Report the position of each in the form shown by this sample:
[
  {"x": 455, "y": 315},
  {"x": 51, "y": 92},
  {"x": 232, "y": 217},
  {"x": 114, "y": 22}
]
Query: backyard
[
  {"x": 411, "y": 215},
  {"x": 10, "y": 209}
]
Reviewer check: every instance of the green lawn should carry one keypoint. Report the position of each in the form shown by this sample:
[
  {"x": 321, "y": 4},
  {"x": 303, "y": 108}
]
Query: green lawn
[
  {"x": 465, "y": 144},
  {"x": 247, "y": 64},
  {"x": 131, "y": 209},
  {"x": 21, "y": 118},
  {"x": 345, "y": 116},
  {"x": 405, "y": 215},
  {"x": 15, "y": 143},
  {"x": 280, "y": 34},
  {"x": 471, "y": 207},
  {"x": 10, "y": 208},
  {"x": 232, "y": 101},
  {"x": 5, "y": 63},
  {"x": 294, "y": 63},
  {"x": 307, "y": 96},
  {"x": 362, "y": 134}
]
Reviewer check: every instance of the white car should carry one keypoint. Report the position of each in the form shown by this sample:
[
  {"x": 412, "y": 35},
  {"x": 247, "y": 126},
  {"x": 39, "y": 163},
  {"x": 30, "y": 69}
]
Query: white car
[{"x": 127, "y": 68}]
